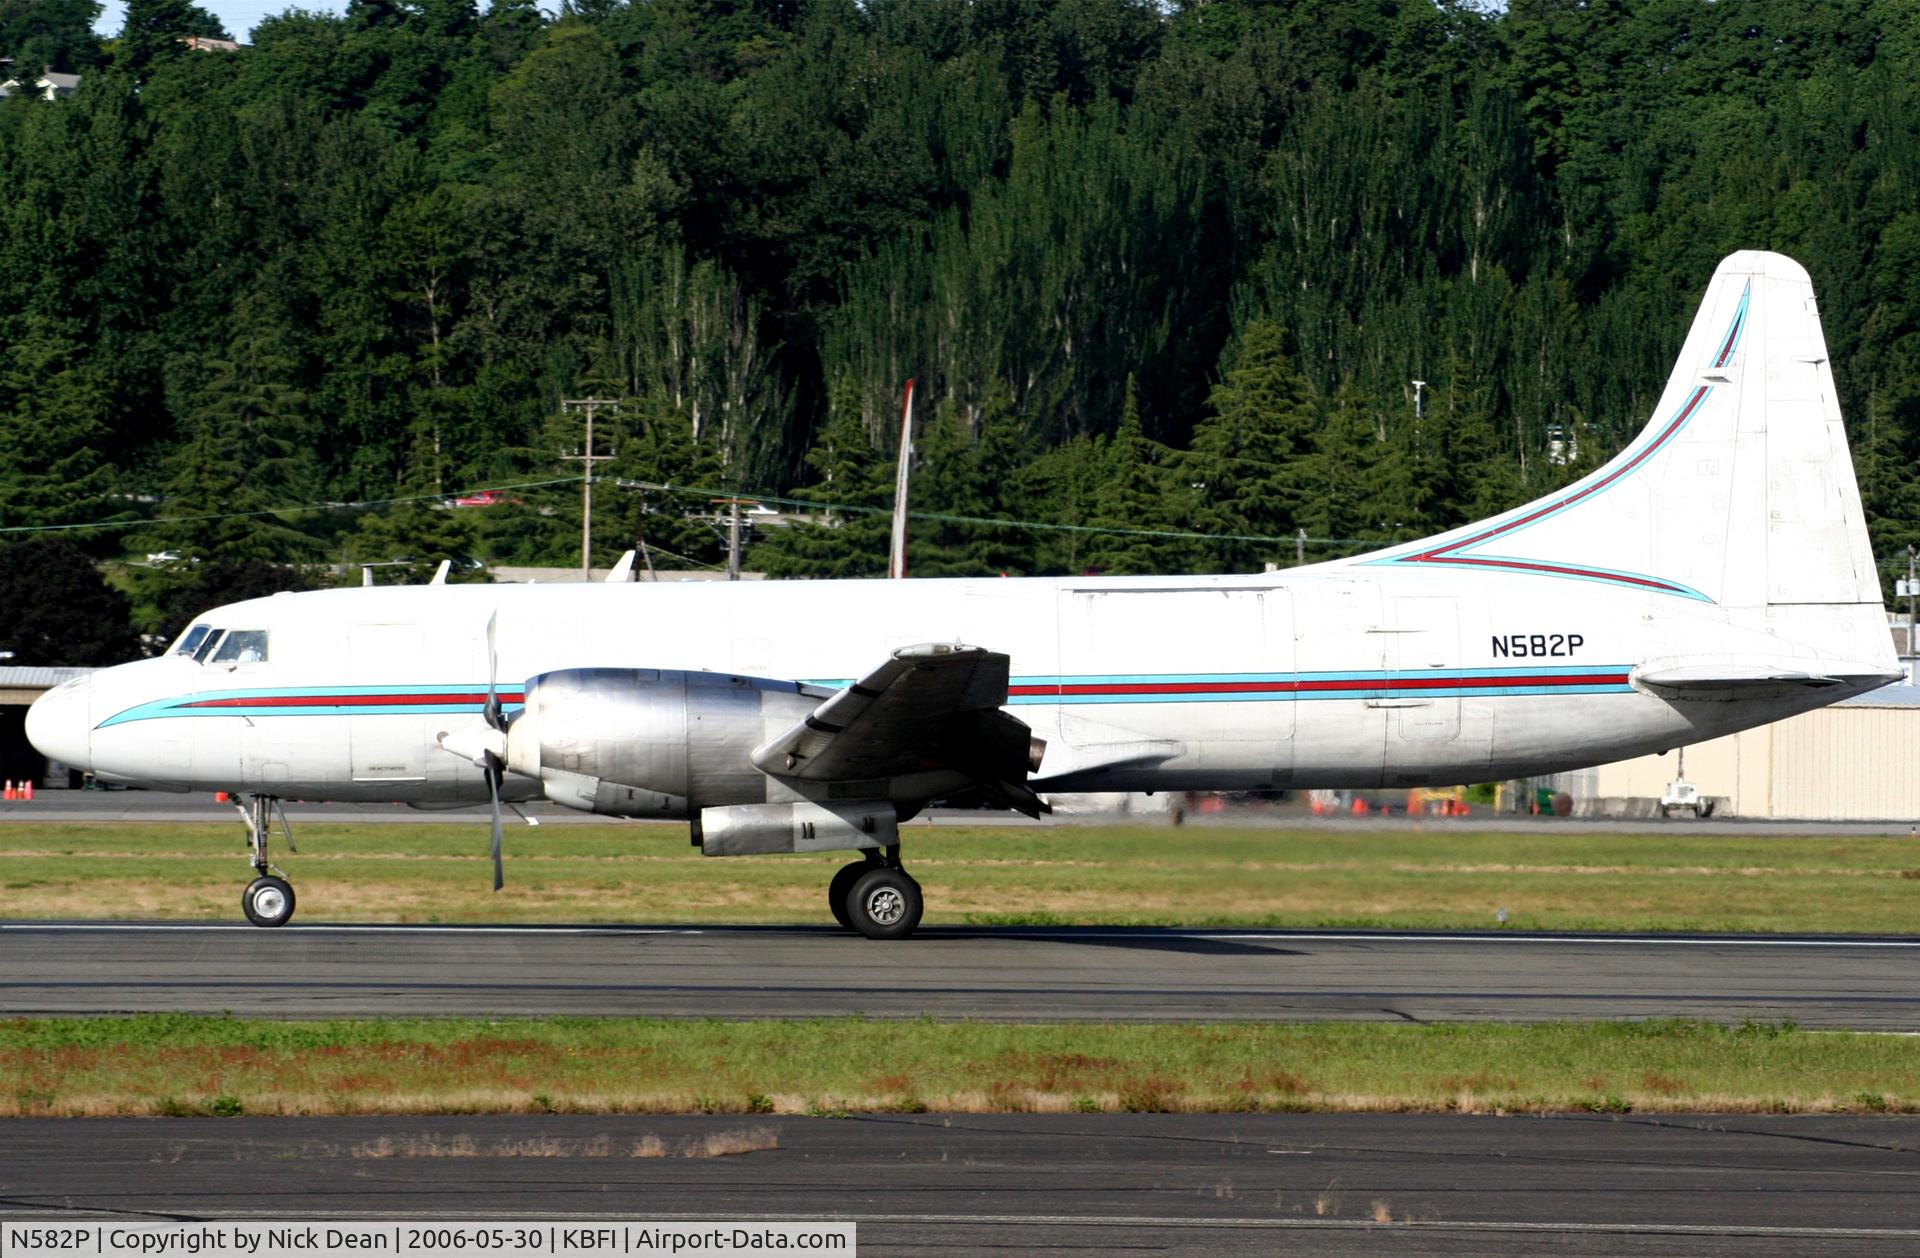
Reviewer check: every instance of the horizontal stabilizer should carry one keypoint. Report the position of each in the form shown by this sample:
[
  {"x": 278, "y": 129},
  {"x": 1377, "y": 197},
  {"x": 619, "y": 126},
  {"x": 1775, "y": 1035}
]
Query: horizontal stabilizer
[{"x": 1756, "y": 679}]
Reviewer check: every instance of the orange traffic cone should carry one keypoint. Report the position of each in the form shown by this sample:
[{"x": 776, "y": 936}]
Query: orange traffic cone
[
  {"x": 8, "y": 792},
  {"x": 26, "y": 789}
]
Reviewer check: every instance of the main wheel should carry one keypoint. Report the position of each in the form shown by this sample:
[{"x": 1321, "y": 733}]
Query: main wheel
[
  {"x": 841, "y": 888},
  {"x": 885, "y": 903},
  {"x": 267, "y": 901}
]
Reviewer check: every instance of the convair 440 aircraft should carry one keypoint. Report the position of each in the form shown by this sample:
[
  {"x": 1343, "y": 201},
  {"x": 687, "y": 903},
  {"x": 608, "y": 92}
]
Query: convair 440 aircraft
[{"x": 1714, "y": 576}]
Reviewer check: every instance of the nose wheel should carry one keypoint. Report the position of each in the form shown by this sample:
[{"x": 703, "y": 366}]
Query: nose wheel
[
  {"x": 876, "y": 897},
  {"x": 268, "y": 899}
]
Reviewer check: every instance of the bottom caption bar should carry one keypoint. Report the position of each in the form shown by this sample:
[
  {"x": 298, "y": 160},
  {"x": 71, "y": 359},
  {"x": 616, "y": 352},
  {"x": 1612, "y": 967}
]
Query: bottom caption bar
[{"x": 638, "y": 1239}]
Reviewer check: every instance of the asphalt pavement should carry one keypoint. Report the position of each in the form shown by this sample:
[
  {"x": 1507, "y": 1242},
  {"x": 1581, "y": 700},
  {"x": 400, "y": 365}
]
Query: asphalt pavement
[
  {"x": 308, "y": 970},
  {"x": 1340, "y": 1184}
]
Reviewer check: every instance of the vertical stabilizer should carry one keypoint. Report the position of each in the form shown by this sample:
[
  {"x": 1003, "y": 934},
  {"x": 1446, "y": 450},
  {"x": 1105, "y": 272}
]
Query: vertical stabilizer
[{"x": 1739, "y": 491}]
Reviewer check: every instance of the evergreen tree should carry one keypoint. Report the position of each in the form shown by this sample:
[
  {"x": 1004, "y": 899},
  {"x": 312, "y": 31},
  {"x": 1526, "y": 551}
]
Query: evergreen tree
[
  {"x": 1889, "y": 494},
  {"x": 54, "y": 434},
  {"x": 1252, "y": 457},
  {"x": 49, "y": 34},
  {"x": 1142, "y": 494},
  {"x": 57, "y": 611},
  {"x": 657, "y": 447},
  {"x": 947, "y": 480},
  {"x": 245, "y": 425},
  {"x": 1346, "y": 504},
  {"x": 1481, "y": 478},
  {"x": 154, "y": 29},
  {"x": 439, "y": 225},
  {"x": 1064, "y": 484},
  {"x": 849, "y": 473}
]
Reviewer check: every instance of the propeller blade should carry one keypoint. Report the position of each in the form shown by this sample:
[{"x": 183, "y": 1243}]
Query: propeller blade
[
  {"x": 493, "y": 714},
  {"x": 493, "y": 789}
]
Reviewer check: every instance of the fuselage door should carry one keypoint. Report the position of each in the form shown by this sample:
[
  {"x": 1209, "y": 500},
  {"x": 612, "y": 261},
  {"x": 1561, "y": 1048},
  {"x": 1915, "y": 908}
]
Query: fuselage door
[
  {"x": 1426, "y": 635},
  {"x": 1210, "y": 667}
]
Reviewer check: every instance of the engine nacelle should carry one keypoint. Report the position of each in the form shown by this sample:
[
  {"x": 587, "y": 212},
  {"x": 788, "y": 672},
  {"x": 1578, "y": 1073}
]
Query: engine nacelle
[
  {"x": 643, "y": 742},
  {"x": 762, "y": 829}
]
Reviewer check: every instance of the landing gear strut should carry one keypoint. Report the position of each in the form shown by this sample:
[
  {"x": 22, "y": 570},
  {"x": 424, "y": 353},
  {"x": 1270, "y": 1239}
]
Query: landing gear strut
[
  {"x": 876, "y": 897},
  {"x": 268, "y": 899}
]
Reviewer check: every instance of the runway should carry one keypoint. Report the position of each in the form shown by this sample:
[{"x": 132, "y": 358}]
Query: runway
[
  {"x": 1012, "y": 974},
  {"x": 962, "y": 1184}
]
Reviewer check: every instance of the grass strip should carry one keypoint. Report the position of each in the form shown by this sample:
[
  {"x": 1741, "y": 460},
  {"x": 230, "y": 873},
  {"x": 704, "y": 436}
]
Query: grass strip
[
  {"x": 1445, "y": 876},
  {"x": 175, "y": 1065}
]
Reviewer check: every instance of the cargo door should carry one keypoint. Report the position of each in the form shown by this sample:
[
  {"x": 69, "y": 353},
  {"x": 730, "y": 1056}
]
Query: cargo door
[{"x": 1426, "y": 638}]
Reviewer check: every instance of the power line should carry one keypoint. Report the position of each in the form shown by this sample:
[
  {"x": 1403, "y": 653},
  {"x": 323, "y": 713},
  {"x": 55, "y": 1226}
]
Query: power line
[
  {"x": 1890, "y": 564},
  {"x": 294, "y": 509},
  {"x": 999, "y": 522}
]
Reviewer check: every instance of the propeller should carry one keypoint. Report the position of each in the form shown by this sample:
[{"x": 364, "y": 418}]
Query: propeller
[
  {"x": 486, "y": 745},
  {"x": 494, "y": 765}
]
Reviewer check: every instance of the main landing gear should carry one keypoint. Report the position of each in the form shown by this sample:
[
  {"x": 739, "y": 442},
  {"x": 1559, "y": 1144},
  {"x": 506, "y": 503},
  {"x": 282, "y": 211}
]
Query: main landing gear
[
  {"x": 268, "y": 899},
  {"x": 876, "y": 897}
]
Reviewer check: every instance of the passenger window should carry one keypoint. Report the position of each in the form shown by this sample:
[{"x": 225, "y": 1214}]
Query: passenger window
[
  {"x": 206, "y": 647},
  {"x": 191, "y": 640},
  {"x": 243, "y": 646}
]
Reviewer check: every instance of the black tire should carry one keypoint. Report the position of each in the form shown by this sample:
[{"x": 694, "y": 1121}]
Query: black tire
[
  {"x": 267, "y": 901},
  {"x": 885, "y": 904},
  {"x": 842, "y": 886}
]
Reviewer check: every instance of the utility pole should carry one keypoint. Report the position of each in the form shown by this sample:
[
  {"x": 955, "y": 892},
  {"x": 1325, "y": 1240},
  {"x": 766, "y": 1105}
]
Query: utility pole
[
  {"x": 586, "y": 458},
  {"x": 640, "y": 539},
  {"x": 1913, "y": 588},
  {"x": 733, "y": 506}
]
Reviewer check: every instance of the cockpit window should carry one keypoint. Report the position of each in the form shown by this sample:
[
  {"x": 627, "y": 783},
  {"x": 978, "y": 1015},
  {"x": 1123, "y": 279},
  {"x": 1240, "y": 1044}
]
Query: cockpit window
[
  {"x": 191, "y": 640},
  {"x": 207, "y": 644},
  {"x": 242, "y": 646}
]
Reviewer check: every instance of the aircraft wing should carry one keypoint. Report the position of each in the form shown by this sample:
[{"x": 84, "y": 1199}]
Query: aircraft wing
[{"x": 927, "y": 708}]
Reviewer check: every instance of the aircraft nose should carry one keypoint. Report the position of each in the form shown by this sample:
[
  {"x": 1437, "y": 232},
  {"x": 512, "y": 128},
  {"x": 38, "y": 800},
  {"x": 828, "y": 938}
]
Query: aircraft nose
[{"x": 60, "y": 724}]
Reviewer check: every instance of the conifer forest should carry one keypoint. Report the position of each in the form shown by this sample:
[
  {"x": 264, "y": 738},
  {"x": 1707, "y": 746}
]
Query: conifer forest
[{"x": 1164, "y": 271}]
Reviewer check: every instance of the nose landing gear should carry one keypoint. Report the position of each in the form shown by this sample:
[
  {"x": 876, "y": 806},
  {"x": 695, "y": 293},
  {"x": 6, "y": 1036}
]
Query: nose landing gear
[{"x": 268, "y": 899}]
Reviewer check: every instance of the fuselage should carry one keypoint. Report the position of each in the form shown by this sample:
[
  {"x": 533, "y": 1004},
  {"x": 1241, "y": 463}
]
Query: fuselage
[{"x": 1331, "y": 676}]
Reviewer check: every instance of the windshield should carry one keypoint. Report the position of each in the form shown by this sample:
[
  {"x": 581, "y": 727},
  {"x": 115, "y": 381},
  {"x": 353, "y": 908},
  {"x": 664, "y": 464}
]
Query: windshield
[
  {"x": 242, "y": 646},
  {"x": 207, "y": 644},
  {"x": 191, "y": 639}
]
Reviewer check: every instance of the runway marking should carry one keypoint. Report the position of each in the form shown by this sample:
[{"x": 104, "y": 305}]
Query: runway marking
[{"x": 1211, "y": 1222}]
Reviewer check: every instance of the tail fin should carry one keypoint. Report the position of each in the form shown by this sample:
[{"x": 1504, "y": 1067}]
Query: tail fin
[{"x": 1739, "y": 491}]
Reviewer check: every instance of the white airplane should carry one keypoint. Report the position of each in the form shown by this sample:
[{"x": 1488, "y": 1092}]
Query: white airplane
[{"x": 1715, "y": 575}]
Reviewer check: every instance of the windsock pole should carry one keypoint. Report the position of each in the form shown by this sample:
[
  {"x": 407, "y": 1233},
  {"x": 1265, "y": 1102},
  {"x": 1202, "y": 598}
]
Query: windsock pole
[{"x": 897, "y": 560}]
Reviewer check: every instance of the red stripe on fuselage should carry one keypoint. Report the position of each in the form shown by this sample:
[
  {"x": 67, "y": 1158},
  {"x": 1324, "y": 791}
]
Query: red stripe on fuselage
[
  {"x": 478, "y": 698},
  {"x": 1318, "y": 685}
]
